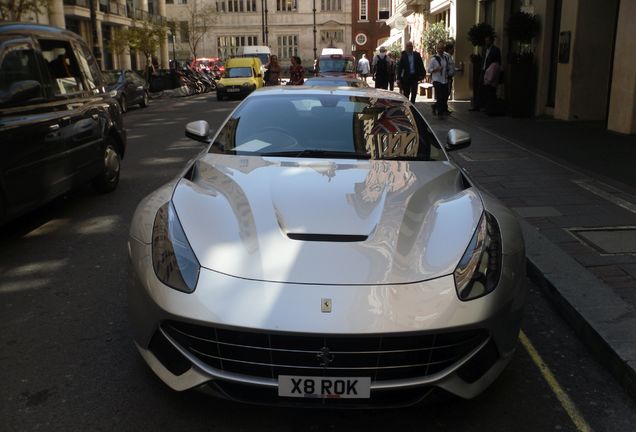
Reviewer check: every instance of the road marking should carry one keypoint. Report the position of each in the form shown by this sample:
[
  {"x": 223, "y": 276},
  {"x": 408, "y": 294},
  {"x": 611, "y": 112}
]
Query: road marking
[
  {"x": 585, "y": 184},
  {"x": 562, "y": 396}
]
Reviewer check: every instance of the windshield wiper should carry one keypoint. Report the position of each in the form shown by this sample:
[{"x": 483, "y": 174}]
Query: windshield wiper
[{"x": 318, "y": 154}]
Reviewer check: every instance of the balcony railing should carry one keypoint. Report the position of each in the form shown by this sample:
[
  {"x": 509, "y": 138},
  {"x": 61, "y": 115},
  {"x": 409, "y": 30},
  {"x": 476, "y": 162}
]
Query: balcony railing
[{"x": 120, "y": 9}]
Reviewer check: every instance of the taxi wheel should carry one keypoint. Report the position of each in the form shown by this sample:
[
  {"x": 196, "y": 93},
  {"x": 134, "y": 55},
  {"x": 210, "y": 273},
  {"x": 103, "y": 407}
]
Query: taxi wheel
[{"x": 108, "y": 180}]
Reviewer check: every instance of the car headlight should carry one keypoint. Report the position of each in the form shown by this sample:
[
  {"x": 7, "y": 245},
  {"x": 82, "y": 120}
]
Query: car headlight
[
  {"x": 172, "y": 257},
  {"x": 112, "y": 93},
  {"x": 246, "y": 84},
  {"x": 219, "y": 85},
  {"x": 478, "y": 271}
]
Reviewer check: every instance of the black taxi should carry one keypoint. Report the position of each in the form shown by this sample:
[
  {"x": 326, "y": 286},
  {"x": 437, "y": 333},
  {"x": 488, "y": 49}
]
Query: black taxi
[{"x": 59, "y": 128}]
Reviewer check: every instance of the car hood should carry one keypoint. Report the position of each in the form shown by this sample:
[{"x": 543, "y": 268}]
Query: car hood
[{"x": 318, "y": 221}]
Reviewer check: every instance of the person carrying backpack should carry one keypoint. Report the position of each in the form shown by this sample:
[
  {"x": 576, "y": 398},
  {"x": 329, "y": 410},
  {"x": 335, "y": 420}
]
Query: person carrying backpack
[
  {"x": 440, "y": 69},
  {"x": 382, "y": 69}
]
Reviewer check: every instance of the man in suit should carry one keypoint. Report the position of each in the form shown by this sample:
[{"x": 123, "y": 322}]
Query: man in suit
[
  {"x": 492, "y": 54},
  {"x": 410, "y": 71}
]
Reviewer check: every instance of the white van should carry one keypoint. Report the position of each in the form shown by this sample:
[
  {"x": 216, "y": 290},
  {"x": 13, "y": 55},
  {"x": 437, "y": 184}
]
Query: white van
[{"x": 260, "y": 51}]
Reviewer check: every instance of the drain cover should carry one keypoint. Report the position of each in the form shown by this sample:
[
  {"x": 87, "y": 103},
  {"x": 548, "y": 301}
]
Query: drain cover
[{"x": 608, "y": 240}]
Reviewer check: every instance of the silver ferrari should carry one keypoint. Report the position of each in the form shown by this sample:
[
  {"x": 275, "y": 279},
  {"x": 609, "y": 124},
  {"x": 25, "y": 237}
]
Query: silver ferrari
[{"x": 324, "y": 250}]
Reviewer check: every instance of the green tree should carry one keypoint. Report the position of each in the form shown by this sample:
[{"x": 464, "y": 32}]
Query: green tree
[
  {"x": 201, "y": 18},
  {"x": 434, "y": 34},
  {"x": 145, "y": 38},
  {"x": 17, "y": 10}
]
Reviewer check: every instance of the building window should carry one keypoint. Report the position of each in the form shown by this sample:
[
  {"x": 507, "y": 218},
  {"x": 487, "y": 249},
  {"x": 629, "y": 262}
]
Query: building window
[
  {"x": 329, "y": 36},
  {"x": 286, "y": 5},
  {"x": 228, "y": 45},
  {"x": 169, "y": 1},
  {"x": 384, "y": 9},
  {"x": 363, "y": 10},
  {"x": 331, "y": 5},
  {"x": 182, "y": 2},
  {"x": 444, "y": 17},
  {"x": 236, "y": 6},
  {"x": 287, "y": 46},
  {"x": 184, "y": 31}
]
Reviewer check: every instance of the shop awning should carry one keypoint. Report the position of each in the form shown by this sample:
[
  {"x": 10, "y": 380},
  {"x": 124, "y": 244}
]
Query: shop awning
[{"x": 390, "y": 41}]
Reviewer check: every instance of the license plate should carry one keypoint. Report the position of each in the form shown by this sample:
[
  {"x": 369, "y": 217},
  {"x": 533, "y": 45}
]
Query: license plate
[
  {"x": 233, "y": 90},
  {"x": 324, "y": 387}
]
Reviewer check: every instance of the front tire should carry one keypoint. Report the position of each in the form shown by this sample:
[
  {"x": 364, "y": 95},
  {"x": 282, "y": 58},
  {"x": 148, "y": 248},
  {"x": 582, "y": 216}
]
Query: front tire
[{"x": 108, "y": 180}]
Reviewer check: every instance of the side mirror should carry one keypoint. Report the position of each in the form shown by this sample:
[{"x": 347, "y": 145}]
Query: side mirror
[
  {"x": 457, "y": 139},
  {"x": 199, "y": 131},
  {"x": 21, "y": 91},
  {"x": 259, "y": 75}
]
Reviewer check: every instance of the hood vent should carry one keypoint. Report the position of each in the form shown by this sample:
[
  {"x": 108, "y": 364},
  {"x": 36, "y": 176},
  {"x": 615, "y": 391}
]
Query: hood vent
[{"x": 327, "y": 237}]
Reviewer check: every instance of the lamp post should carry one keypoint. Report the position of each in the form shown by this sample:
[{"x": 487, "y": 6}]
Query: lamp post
[
  {"x": 173, "y": 37},
  {"x": 263, "y": 19},
  {"x": 315, "y": 48}
]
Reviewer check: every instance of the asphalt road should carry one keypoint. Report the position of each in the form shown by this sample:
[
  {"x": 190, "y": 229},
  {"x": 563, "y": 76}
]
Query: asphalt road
[{"x": 67, "y": 361}]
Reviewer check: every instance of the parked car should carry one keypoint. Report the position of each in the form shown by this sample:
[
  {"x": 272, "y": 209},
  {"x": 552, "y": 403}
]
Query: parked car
[
  {"x": 335, "y": 82},
  {"x": 128, "y": 87},
  {"x": 325, "y": 250},
  {"x": 336, "y": 65},
  {"x": 59, "y": 128},
  {"x": 241, "y": 77}
]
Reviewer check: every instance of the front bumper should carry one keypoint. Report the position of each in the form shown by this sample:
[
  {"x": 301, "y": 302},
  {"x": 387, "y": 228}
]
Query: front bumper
[
  {"x": 167, "y": 326},
  {"x": 237, "y": 91}
]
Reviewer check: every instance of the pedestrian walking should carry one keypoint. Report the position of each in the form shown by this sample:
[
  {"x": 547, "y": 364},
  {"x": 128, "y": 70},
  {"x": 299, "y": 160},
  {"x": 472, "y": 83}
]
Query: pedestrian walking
[
  {"x": 381, "y": 69},
  {"x": 482, "y": 94},
  {"x": 410, "y": 71},
  {"x": 296, "y": 72},
  {"x": 439, "y": 68},
  {"x": 273, "y": 72},
  {"x": 363, "y": 67}
]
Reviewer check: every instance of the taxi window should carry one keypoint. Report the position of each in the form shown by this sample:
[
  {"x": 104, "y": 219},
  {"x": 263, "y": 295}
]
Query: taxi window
[
  {"x": 18, "y": 63},
  {"x": 62, "y": 66}
]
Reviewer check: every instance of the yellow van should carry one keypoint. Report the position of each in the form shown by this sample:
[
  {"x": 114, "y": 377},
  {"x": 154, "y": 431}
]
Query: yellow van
[{"x": 241, "y": 77}]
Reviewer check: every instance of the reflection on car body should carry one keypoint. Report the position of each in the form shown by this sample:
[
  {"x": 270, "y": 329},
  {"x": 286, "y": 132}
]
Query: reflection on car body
[{"x": 349, "y": 262}]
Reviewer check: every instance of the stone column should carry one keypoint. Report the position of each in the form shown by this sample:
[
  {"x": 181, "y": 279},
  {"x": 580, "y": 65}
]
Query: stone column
[
  {"x": 56, "y": 14},
  {"x": 164, "y": 55},
  {"x": 100, "y": 40},
  {"x": 622, "y": 111}
]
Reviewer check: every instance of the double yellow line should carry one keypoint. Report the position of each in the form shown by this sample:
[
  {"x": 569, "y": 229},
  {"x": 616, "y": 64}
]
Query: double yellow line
[{"x": 562, "y": 396}]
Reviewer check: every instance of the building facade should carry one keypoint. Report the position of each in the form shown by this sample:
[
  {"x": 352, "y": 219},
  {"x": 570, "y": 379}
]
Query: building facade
[
  {"x": 583, "y": 68},
  {"x": 288, "y": 27},
  {"x": 108, "y": 17},
  {"x": 369, "y": 28}
]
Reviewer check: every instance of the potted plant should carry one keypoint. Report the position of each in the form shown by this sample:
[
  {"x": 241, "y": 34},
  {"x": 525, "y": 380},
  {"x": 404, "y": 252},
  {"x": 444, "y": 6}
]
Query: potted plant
[{"x": 522, "y": 28}]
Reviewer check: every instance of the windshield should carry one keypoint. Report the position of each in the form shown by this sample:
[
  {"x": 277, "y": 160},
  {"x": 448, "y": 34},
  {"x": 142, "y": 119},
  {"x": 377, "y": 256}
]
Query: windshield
[
  {"x": 335, "y": 82},
  {"x": 239, "y": 72},
  {"x": 328, "y": 125},
  {"x": 111, "y": 77},
  {"x": 342, "y": 65}
]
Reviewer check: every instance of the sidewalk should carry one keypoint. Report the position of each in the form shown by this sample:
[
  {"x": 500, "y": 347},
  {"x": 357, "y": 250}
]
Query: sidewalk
[{"x": 579, "y": 223}]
